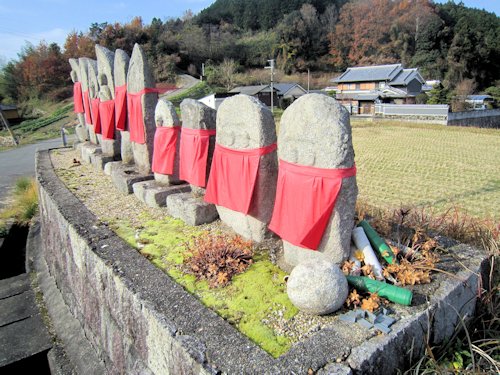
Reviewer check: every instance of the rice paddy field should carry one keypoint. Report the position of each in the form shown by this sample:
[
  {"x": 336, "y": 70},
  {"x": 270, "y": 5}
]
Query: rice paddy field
[{"x": 426, "y": 165}]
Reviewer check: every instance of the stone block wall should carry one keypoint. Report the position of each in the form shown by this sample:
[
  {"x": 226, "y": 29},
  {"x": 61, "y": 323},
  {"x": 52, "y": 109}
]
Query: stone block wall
[{"x": 139, "y": 321}]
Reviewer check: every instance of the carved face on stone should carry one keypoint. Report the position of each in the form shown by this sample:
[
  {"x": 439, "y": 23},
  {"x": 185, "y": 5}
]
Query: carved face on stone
[
  {"x": 139, "y": 74},
  {"x": 165, "y": 114},
  {"x": 196, "y": 115},
  {"x": 243, "y": 122},
  {"x": 315, "y": 131},
  {"x": 93, "y": 83},
  {"x": 105, "y": 62}
]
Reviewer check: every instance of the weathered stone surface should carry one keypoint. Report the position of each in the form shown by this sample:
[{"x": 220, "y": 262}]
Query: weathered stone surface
[
  {"x": 17, "y": 307},
  {"x": 105, "y": 67},
  {"x": 14, "y": 285},
  {"x": 192, "y": 210},
  {"x": 335, "y": 369},
  {"x": 155, "y": 194},
  {"x": 99, "y": 160},
  {"x": 317, "y": 287},
  {"x": 84, "y": 63},
  {"x": 196, "y": 115},
  {"x": 120, "y": 71},
  {"x": 190, "y": 207},
  {"x": 166, "y": 116},
  {"x": 315, "y": 131},
  {"x": 140, "y": 77},
  {"x": 108, "y": 168},
  {"x": 87, "y": 150},
  {"x": 125, "y": 176},
  {"x": 243, "y": 122},
  {"x": 23, "y": 339},
  {"x": 80, "y": 129},
  {"x": 93, "y": 91}
]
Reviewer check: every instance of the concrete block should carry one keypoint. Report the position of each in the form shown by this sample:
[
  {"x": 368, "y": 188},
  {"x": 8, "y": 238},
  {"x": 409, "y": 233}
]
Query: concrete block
[
  {"x": 125, "y": 176},
  {"x": 99, "y": 160},
  {"x": 383, "y": 328},
  {"x": 109, "y": 167},
  {"x": 193, "y": 211},
  {"x": 155, "y": 194},
  {"x": 335, "y": 369},
  {"x": 87, "y": 150}
]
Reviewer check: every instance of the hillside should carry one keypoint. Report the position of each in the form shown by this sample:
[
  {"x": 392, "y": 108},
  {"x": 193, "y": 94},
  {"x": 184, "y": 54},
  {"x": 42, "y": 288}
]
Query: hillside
[{"x": 458, "y": 45}]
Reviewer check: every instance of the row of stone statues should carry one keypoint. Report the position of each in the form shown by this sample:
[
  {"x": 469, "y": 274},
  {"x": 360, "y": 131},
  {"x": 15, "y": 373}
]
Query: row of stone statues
[{"x": 228, "y": 163}]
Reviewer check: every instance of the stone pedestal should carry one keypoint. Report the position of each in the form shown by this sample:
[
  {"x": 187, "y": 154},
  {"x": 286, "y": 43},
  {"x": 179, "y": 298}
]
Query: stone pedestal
[
  {"x": 99, "y": 160},
  {"x": 125, "y": 176},
  {"x": 193, "y": 211},
  {"x": 154, "y": 194},
  {"x": 87, "y": 150}
]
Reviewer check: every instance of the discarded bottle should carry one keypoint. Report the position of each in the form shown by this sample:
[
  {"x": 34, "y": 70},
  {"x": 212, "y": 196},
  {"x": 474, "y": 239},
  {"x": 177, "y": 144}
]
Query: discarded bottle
[
  {"x": 377, "y": 242},
  {"x": 391, "y": 292}
]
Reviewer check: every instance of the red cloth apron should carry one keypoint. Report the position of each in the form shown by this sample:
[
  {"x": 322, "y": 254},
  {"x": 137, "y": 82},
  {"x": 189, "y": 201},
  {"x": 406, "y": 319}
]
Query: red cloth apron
[
  {"x": 107, "y": 117},
  {"x": 305, "y": 199},
  {"x": 164, "y": 149},
  {"x": 194, "y": 155},
  {"x": 233, "y": 175},
  {"x": 121, "y": 107},
  {"x": 86, "y": 106},
  {"x": 135, "y": 119},
  {"x": 78, "y": 97},
  {"x": 96, "y": 121}
]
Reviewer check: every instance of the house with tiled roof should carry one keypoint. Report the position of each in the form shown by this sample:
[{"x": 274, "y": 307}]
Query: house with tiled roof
[{"x": 360, "y": 88}]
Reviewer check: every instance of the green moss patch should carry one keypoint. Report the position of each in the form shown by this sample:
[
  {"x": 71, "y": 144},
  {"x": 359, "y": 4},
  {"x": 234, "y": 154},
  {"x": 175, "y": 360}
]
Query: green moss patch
[{"x": 248, "y": 300}]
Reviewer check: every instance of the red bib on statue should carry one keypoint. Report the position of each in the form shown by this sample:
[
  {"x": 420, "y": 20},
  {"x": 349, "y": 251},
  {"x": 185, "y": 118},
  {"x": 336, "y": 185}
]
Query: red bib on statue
[
  {"x": 78, "y": 97},
  {"x": 194, "y": 155},
  {"x": 305, "y": 199},
  {"x": 107, "y": 118},
  {"x": 164, "y": 149},
  {"x": 121, "y": 107},
  {"x": 86, "y": 106},
  {"x": 135, "y": 116},
  {"x": 233, "y": 175},
  {"x": 96, "y": 121}
]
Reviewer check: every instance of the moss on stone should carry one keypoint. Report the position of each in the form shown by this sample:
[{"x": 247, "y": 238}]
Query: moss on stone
[{"x": 248, "y": 300}]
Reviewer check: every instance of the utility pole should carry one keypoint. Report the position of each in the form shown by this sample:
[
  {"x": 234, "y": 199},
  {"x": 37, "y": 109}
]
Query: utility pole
[
  {"x": 308, "y": 79},
  {"x": 271, "y": 66}
]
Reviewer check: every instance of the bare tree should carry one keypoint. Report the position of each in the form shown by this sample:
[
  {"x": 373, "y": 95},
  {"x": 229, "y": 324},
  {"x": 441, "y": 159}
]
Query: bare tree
[{"x": 227, "y": 70}]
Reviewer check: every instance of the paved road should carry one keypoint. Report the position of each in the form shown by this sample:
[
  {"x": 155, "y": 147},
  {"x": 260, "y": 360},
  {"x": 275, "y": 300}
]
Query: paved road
[
  {"x": 184, "y": 82},
  {"x": 19, "y": 162}
]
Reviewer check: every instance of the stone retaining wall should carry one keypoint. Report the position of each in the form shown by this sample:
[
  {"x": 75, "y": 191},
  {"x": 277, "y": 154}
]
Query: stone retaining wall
[{"x": 141, "y": 322}]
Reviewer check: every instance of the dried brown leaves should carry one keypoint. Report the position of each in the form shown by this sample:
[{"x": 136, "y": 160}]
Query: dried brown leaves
[{"x": 217, "y": 258}]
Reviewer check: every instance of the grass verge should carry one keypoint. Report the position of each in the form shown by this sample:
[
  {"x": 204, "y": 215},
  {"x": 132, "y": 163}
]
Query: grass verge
[{"x": 24, "y": 204}]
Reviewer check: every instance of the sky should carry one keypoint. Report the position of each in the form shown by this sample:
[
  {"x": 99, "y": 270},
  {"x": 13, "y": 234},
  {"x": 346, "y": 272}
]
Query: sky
[{"x": 53, "y": 20}]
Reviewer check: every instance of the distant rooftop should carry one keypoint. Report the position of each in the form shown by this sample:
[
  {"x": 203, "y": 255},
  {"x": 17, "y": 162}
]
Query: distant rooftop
[
  {"x": 369, "y": 73},
  {"x": 7, "y": 107},
  {"x": 251, "y": 90}
]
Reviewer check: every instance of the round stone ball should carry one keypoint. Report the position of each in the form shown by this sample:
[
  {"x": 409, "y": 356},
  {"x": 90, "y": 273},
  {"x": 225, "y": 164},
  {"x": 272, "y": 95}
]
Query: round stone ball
[{"x": 317, "y": 287}]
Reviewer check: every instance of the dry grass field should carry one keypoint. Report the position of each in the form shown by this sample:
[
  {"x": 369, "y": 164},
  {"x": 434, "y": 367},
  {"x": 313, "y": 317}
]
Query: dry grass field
[{"x": 428, "y": 165}]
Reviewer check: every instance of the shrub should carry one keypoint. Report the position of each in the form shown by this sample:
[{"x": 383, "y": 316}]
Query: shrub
[{"x": 217, "y": 258}]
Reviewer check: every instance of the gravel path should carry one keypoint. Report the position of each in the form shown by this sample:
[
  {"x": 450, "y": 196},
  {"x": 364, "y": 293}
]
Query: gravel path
[{"x": 98, "y": 193}]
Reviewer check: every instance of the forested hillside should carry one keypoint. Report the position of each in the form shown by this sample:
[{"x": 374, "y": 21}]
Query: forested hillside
[{"x": 458, "y": 45}]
